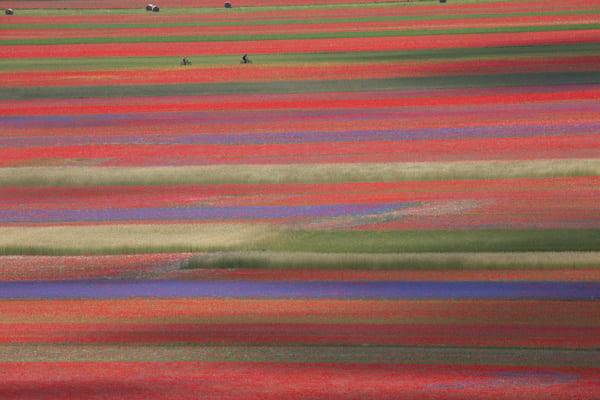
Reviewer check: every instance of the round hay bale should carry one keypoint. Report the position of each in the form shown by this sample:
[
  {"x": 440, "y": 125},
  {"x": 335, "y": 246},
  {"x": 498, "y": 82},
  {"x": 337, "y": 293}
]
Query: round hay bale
[
  {"x": 9, "y": 11},
  {"x": 149, "y": 7},
  {"x": 155, "y": 9},
  {"x": 228, "y": 5}
]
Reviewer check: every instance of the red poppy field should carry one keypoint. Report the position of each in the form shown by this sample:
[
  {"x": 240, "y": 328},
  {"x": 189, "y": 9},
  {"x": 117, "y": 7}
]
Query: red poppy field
[{"x": 393, "y": 200}]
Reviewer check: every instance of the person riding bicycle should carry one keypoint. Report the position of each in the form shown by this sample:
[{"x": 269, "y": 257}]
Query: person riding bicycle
[
  {"x": 245, "y": 59},
  {"x": 185, "y": 61}
]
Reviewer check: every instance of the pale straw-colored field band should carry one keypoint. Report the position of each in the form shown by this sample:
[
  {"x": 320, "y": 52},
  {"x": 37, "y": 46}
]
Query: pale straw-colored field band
[{"x": 297, "y": 173}]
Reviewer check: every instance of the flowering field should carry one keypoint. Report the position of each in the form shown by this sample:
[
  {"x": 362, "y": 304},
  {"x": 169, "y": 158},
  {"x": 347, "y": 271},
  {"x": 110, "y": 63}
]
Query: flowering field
[{"x": 394, "y": 200}]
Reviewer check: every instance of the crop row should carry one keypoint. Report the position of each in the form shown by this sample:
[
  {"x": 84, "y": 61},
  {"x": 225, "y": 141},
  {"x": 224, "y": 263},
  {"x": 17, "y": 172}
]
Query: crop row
[
  {"x": 281, "y": 266},
  {"x": 194, "y": 48},
  {"x": 274, "y": 380},
  {"x": 305, "y": 334},
  {"x": 301, "y": 72}
]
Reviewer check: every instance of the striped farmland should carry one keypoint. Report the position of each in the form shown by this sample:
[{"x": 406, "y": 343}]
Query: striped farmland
[{"x": 394, "y": 200}]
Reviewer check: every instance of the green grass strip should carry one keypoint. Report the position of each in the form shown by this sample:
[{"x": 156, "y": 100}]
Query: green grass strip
[
  {"x": 297, "y": 36},
  {"x": 284, "y": 21},
  {"x": 434, "y": 355},
  {"x": 434, "y": 241},
  {"x": 113, "y": 63},
  {"x": 275, "y": 87},
  {"x": 393, "y": 261},
  {"x": 296, "y": 173}
]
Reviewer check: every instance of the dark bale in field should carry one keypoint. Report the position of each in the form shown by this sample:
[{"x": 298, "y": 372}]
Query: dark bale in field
[
  {"x": 442, "y": 1},
  {"x": 228, "y": 4},
  {"x": 155, "y": 9},
  {"x": 149, "y": 7},
  {"x": 9, "y": 11}
]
